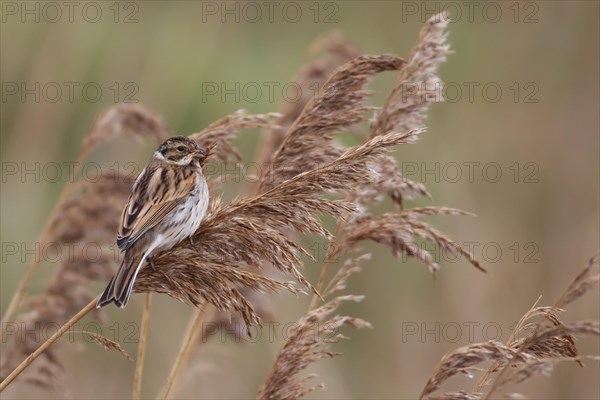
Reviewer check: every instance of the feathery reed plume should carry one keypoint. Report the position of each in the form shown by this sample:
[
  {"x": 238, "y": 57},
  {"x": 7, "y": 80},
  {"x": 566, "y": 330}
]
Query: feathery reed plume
[
  {"x": 584, "y": 281},
  {"x": 351, "y": 266},
  {"x": 107, "y": 344},
  {"x": 337, "y": 49},
  {"x": 193, "y": 281},
  {"x": 338, "y": 105},
  {"x": 233, "y": 323},
  {"x": 526, "y": 325},
  {"x": 537, "y": 367},
  {"x": 417, "y": 85},
  {"x": 398, "y": 230},
  {"x": 307, "y": 344},
  {"x": 395, "y": 230},
  {"x": 532, "y": 349},
  {"x": 340, "y": 175},
  {"x": 464, "y": 359},
  {"x": 126, "y": 120},
  {"x": 547, "y": 347},
  {"x": 230, "y": 234},
  {"x": 389, "y": 180},
  {"x": 550, "y": 341},
  {"x": 220, "y": 133}
]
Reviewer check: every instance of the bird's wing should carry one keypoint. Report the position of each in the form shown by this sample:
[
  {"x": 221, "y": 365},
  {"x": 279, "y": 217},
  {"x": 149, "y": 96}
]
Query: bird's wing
[{"x": 155, "y": 193}]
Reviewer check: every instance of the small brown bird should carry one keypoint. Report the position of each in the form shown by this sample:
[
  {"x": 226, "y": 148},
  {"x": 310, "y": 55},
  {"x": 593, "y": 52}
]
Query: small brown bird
[{"x": 166, "y": 205}]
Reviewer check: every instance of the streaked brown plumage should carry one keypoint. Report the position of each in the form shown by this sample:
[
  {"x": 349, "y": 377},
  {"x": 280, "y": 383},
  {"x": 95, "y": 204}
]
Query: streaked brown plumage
[{"x": 166, "y": 205}]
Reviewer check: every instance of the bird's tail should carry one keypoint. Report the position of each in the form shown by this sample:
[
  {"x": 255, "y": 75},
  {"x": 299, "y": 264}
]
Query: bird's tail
[{"x": 120, "y": 286}]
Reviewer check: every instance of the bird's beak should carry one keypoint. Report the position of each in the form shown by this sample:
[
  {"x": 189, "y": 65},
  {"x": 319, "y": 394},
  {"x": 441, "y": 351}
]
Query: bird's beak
[{"x": 201, "y": 155}]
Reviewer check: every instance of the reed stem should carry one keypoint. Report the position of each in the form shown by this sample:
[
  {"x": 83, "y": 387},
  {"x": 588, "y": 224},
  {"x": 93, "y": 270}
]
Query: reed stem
[
  {"x": 63, "y": 329},
  {"x": 141, "y": 353},
  {"x": 185, "y": 350}
]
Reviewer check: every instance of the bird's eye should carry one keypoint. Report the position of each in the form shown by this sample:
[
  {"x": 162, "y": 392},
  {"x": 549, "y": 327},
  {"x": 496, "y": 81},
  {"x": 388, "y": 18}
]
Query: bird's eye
[{"x": 180, "y": 149}]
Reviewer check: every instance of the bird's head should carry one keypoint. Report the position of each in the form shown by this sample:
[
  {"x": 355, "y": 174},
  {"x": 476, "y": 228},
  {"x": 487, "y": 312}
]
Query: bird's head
[{"x": 180, "y": 150}]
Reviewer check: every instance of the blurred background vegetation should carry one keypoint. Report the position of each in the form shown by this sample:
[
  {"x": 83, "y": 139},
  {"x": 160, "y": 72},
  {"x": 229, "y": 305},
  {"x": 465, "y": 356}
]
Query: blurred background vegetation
[{"x": 541, "y": 133}]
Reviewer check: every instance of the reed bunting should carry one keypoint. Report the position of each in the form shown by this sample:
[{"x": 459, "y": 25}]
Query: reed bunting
[{"x": 166, "y": 205}]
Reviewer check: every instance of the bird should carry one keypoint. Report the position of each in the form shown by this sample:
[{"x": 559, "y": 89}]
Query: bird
[{"x": 166, "y": 205}]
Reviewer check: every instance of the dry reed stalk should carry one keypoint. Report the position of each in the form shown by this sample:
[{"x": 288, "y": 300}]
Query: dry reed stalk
[
  {"x": 126, "y": 119},
  {"x": 533, "y": 348},
  {"x": 141, "y": 353},
  {"x": 229, "y": 236},
  {"x": 184, "y": 351},
  {"x": 547, "y": 347},
  {"x": 41, "y": 349},
  {"x": 346, "y": 83},
  {"x": 337, "y": 50}
]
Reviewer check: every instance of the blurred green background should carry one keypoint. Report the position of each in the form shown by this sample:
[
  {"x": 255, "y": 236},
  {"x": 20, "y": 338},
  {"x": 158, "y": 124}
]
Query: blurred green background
[{"x": 540, "y": 133}]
